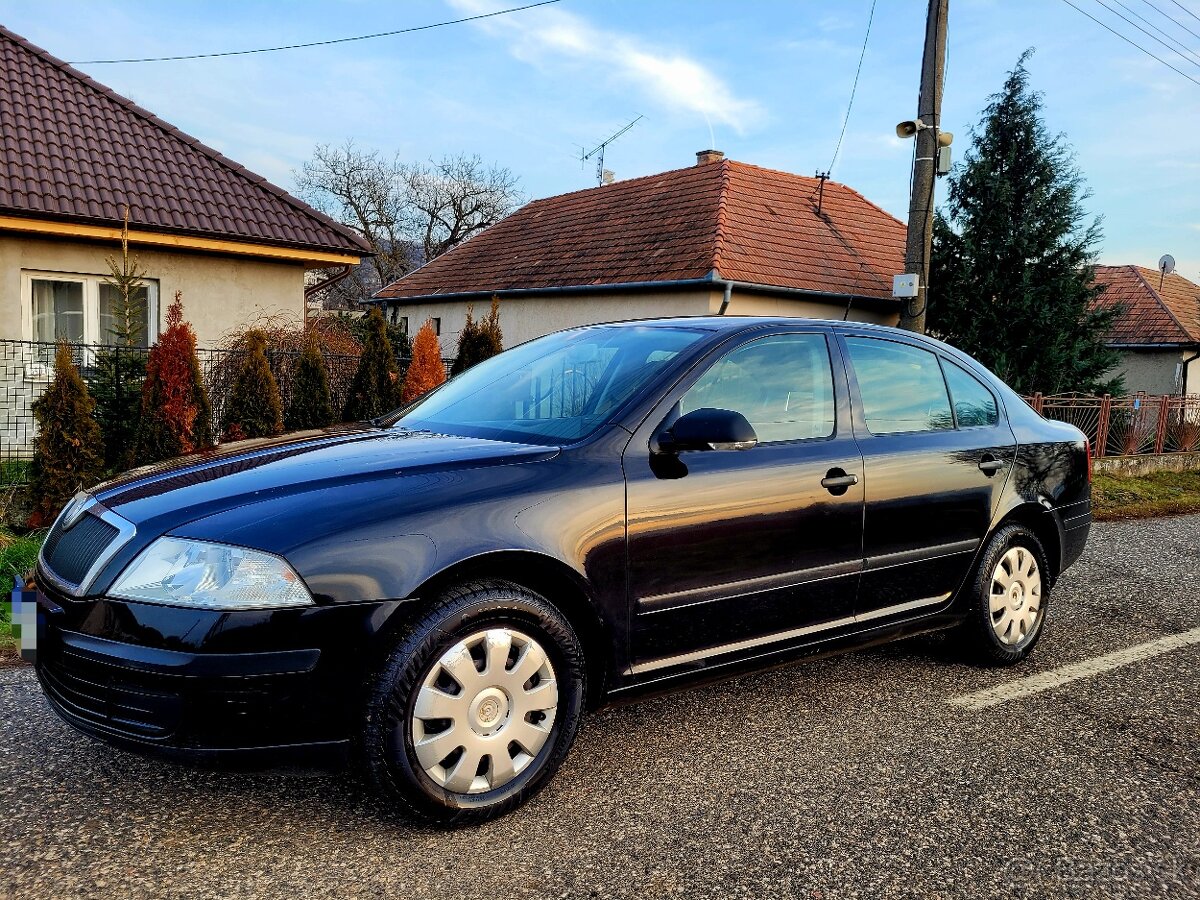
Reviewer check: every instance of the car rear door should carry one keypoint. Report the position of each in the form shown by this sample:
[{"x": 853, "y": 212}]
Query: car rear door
[
  {"x": 732, "y": 549},
  {"x": 936, "y": 457}
]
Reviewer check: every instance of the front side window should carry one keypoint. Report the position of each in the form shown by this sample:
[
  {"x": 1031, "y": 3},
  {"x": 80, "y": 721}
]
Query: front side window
[
  {"x": 782, "y": 384},
  {"x": 87, "y": 309},
  {"x": 556, "y": 389},
  {"x": 901, "y": 386},
  {"x": 974, "y": 404}
]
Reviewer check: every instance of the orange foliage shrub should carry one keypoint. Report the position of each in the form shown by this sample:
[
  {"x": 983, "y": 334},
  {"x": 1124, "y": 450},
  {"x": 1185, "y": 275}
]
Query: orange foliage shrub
[{"x": 426, "y": 371}]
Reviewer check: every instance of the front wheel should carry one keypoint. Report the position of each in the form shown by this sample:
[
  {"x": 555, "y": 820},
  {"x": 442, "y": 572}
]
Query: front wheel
[
  {"x": 477, "y": 706},
  {"x": 1007, "y": 599}
]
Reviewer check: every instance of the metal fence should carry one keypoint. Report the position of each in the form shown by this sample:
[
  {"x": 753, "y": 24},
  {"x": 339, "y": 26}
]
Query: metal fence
[
  {"x": 26, "y": 368},
  {"x": 1128, "y": 426}
]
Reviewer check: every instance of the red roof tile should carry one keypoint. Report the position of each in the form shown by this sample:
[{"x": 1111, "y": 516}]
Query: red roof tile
[
  {"x": 73, "y": 149},
  {"x": 744, "y": 222},
  {"x": 1152, "y": 316}
]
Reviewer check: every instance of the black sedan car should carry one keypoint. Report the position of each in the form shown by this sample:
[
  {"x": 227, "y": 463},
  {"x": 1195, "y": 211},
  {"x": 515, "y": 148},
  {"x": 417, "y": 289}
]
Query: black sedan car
[{"x": 600, "y": 512}]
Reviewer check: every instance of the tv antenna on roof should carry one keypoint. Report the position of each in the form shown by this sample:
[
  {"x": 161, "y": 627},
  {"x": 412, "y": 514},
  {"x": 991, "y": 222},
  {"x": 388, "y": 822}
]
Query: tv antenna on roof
[{"x": 603, "y": 176}]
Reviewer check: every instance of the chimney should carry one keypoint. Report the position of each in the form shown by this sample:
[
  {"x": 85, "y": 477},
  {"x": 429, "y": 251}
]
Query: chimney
[{"x": 709, "y": 156}]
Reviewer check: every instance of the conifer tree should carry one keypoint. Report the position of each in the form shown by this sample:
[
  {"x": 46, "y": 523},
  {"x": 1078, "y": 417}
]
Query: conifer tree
[
  {"x": 176, "y": 415},
  {"x": 310, "y": 406},
  {"x": 67, "y": 454},
  {"x": 479, "y": 340},
  {"x": 116, "y": 380},
  {"x": 253, "y": 409},
  {"x": 1012, "y": 268},
  {"x": 374, "y": 389},
  {"x": 426, "y": 371}
]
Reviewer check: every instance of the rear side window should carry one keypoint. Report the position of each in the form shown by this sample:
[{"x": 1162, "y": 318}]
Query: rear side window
[
  {"x": 901, "y": 386},
  {"x": 974, "y": 404},
  {"x": 782, "y": 384}
]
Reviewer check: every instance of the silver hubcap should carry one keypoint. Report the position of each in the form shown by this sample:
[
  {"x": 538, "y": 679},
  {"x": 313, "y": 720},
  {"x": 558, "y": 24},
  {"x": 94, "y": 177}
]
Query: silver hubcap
[
  {"x": 484, "y": 711},
  {"x": 1016, "y": 596}
]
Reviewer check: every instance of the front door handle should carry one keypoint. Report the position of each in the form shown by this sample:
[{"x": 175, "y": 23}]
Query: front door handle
[
  {"x": 989, "y": 465},
  {"x": 837, "y": 482}
]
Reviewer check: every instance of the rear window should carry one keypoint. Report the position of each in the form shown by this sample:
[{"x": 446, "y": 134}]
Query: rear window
[{"x": 902, "y": 387}]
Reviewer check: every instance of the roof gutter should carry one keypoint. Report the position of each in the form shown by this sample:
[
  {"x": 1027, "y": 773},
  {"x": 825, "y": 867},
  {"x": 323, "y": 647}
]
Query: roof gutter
[{"x": 708, "y": 281}]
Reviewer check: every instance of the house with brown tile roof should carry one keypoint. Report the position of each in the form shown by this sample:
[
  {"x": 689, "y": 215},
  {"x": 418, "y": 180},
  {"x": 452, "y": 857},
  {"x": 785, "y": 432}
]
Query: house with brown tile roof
[
  {"x": 74, "y": 154},
  {"x": 1158, "y": 331},
  {"x": 717, "y": 236}
]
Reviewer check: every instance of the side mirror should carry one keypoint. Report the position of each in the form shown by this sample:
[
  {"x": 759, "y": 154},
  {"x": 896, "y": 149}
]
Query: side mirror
[{"x": 708, "y": 429}]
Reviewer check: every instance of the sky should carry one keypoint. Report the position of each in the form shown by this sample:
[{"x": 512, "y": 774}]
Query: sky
[{"x": 765, "y": 81}]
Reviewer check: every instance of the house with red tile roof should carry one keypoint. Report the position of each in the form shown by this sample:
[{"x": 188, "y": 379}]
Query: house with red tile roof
[
  {"x": 74, "y": 154},
  {"x": 717, "y": 236},
  {"x": 1158, "y": 331}
]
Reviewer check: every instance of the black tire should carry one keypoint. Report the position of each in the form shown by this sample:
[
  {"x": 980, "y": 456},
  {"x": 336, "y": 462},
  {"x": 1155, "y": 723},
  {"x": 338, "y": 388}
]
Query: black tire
[
  {"x": 976, "y": 636},
  {"x": 387, "y": 735}
]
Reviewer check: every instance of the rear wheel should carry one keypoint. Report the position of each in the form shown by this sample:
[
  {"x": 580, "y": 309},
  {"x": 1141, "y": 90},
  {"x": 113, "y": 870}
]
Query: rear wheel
[
  {"x": 1007, "y": 599},
  {"x": 477, "y": 706}
]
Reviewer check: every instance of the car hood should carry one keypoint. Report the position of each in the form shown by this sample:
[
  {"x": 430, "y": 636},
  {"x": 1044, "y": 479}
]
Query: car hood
[{"x": 182, "y": 490}]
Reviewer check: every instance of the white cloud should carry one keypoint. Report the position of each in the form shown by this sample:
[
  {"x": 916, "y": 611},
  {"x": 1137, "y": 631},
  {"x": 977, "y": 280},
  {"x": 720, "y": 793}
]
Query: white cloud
[{"x": 668, "y": 77}]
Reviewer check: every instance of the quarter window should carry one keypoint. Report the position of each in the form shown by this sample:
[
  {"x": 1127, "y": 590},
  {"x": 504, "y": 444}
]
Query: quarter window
[
  {"x": 901, "y": 386},
  {"x": 783, "y": 385},
  {"x": 974, "y": 404}
]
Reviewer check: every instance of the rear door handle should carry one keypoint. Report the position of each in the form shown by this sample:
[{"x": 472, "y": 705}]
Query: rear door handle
[{"x": 989, "y": 465}]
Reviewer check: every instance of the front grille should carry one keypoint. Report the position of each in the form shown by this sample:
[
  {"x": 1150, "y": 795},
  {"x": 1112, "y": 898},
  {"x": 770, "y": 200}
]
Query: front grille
[
  {"x": 70, "y": 553},
  {"x": 110, "y": 697}
]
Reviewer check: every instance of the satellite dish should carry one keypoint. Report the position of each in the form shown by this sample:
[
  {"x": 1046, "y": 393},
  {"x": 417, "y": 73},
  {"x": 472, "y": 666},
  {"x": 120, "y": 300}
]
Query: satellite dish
[{"x": 1166, "y": 264}]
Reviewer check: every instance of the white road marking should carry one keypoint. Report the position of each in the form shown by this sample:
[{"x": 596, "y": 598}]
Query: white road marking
[{"x": 1047, "y": 681}]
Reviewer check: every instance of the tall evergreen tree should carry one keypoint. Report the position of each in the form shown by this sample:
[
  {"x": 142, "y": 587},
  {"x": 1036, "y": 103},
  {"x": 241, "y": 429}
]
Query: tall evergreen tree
[
  {"x": 253, "y": 409},
  {"x": 176, "y": 414},
  {"x": 375, "y": 389},
  {"x": 1011, "y": 279},
  {"x": 479, "y": 339},
  {"x": 116, "y": 379},
  {"x": 426, "y": 371},
  {"x": 310, "y": 405},
  {"x": 66, "y": 455}
]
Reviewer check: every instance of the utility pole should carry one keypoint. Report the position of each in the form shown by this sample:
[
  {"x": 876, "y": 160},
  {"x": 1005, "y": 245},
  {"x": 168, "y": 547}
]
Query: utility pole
[{"x": 920, "y": 204}]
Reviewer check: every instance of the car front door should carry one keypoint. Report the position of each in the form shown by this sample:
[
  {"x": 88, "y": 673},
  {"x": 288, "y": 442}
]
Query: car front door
[
  {"x": 733, "y": 549},
  {"x": 935, "y": 468}
]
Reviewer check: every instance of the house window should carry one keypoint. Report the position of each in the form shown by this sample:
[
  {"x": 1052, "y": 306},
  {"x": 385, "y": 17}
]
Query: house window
[
  {"x": 403, "y": 322},
  {"x": 437, "y": 325},
  {"x": 84, "y": 309}
]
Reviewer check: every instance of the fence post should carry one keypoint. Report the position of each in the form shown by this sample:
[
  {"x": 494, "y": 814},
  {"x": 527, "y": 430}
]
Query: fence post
[
  {"x": 1038, "y": 400},
  {"x": 1102, "y": 425},
  {"x": 1160, "y": 433}
]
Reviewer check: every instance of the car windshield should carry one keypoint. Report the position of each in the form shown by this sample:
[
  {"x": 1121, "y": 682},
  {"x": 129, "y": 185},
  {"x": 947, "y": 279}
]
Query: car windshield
[{"x": 556, "y": 389}]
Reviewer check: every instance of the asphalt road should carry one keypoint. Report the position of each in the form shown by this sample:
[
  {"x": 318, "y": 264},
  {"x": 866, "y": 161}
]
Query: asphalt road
[{"x": 842, "y": 777}]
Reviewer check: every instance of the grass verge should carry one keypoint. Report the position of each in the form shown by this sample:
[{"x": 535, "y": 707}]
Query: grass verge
[
  {"x": 1143, "y": 496},
  {"x": 17, "y": 556}
]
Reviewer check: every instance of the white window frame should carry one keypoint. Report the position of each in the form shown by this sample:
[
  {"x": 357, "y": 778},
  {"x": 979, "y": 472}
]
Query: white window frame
[{"x": 91, "y": 302}]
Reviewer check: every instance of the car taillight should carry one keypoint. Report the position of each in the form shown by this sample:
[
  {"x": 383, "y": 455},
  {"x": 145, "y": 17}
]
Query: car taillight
[{"x": 1087, "y": 446}]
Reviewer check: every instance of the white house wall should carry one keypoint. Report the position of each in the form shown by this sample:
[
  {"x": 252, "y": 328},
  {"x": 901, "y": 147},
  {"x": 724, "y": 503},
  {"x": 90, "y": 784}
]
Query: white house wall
[
  {"x": 220, "y": 293},
  {"x": 1156, "y": 371}
]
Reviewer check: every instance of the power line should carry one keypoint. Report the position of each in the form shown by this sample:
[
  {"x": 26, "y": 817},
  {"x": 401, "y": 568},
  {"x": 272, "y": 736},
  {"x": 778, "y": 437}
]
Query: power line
[
  {"x": 360, "y": 37},
  {"x": 1143, "y": 30},
  {"x": 1171, "y": 18},
  {"x": 854, "y": 87},
  {"x": 1186, "y": 10},
  {"x": 1179, "y": 45},
  {"x": 1133, "y": 43}
]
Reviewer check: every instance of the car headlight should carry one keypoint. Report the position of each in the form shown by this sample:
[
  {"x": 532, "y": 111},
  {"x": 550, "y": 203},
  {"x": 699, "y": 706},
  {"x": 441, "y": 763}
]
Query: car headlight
[{"x": 200, "y": 574}]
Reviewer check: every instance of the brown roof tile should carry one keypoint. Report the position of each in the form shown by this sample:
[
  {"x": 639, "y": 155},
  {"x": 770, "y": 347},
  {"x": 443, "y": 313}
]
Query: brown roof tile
[
  {"x": 1151, "y": 316},
  {"x": 744, "y": 222},
  {"x": 73, "y": 149}
]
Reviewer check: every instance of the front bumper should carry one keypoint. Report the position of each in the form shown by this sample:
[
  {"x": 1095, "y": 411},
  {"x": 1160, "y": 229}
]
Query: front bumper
[{"x": 202, "y": 684}]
